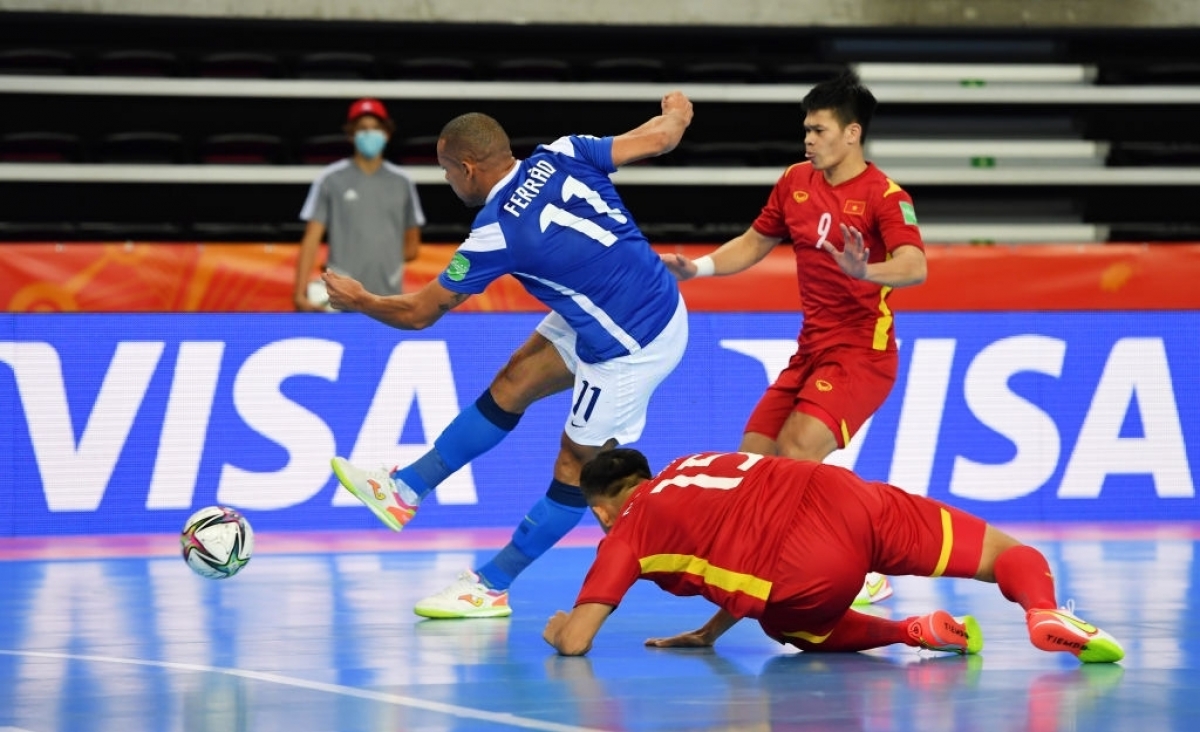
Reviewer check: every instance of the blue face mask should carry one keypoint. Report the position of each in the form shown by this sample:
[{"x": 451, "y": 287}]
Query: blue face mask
[{"x": 369, "y": 143}]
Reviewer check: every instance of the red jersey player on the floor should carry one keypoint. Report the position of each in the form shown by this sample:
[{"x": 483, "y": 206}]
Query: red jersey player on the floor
[
  {"x": 787, "y": 542},
  {"x": 854, "y": 233}
]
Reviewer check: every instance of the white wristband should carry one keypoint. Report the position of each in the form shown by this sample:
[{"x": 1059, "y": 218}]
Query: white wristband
[{"x": 705, "y": 267}]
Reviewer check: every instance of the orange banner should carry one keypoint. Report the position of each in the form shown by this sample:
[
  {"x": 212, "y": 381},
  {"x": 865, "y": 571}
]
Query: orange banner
[{"x": 168, "y": 277}]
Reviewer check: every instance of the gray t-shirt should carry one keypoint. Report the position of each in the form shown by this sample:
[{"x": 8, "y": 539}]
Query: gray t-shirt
[{"x": 366, "y": 217}]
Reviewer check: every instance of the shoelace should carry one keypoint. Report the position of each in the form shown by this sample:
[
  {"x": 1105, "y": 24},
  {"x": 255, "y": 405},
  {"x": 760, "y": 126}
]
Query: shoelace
[
  {"x": 387, "y": 472},
  {"x": 465, "y": 581}
]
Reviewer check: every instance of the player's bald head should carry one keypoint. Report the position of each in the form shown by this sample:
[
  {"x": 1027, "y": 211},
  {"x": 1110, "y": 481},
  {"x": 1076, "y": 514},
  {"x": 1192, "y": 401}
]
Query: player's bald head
[
  {"x": 613, "y": 471},
  {"x": 475, "y": 137}
]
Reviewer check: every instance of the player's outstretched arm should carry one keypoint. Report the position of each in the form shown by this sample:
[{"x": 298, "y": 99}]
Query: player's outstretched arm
[
  {"x": 702, "y": 638},
  {"x": 571, "y": 634},
  {"x": 657, "y": 135},
  {"x": 735, "y": 255},
  {"x": 408, "y": 311}
]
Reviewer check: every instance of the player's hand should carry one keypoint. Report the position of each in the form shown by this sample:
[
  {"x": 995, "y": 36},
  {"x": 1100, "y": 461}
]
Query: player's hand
[
  {"x": 554, "y": 626},
  {"x": 853, "y": 256},
  {"x": 692, "y": 639},
  {"x": 679, "y": 265},
  {"x": 344, "y": 291},
  {"x": 676, "y": 103}
]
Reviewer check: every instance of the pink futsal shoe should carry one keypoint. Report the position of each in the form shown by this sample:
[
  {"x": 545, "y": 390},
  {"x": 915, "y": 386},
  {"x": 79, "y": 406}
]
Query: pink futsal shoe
[
  {"x": 940, "y": 631},
  {"x": 1060, "y": 630},
  {"x": 392, "y": 501}
]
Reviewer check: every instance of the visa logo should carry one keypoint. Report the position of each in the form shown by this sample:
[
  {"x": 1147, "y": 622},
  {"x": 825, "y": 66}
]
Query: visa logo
[
  {"x": 1136, "y": 377},
  {"x": 77, "y": 461},
  {"x": 251, "y": 419}
]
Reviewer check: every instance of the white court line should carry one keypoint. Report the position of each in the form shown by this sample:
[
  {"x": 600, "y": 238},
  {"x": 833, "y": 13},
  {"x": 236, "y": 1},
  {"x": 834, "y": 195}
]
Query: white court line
[{"x": 378, "y": 696}]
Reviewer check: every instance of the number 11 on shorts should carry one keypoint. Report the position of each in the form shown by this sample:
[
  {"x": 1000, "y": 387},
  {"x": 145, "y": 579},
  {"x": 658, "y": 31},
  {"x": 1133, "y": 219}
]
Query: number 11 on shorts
[{"x": 584, "y": 390}]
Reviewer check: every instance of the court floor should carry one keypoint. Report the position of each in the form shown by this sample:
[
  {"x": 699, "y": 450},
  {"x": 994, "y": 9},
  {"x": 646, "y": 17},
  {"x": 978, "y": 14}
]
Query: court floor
[{"x": 317, "y": 633}]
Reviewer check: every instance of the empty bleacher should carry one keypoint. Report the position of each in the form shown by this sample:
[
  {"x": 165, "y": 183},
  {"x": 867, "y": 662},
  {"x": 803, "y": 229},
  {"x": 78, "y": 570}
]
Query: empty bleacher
[{"x": 212, "y": 129}]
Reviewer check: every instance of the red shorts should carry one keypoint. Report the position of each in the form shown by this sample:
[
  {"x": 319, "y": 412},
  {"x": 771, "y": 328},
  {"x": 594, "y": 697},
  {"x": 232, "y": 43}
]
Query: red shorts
[
  {"x": 846, "y": 527},
  {"x": 841, "y": 386}
]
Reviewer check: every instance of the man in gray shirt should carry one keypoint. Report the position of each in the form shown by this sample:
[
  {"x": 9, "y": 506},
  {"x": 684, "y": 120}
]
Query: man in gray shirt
[{"x": 368, "y": 206}]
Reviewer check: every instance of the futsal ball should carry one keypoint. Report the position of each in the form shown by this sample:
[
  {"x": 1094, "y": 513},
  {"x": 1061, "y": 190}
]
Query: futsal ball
[
  {"x": 217, "y": 542},
  {"x": 318, "y": 295}
]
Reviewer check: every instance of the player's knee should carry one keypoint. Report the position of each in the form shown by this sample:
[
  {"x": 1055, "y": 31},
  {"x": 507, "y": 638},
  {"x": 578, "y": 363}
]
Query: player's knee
[
  {"x": 807, "y": 437},
  {"x": 571, "y": 458},
  {"x": 806, "y": 447},
  {"x": 995, "y": 543},
  {"x": 757, "y": 444}
]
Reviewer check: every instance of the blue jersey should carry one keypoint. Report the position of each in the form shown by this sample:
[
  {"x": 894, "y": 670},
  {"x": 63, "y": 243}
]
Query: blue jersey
[{"x": 557, "y": 224}]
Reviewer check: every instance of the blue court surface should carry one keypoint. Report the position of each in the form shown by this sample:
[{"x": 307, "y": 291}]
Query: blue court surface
[{"x": 317, "y": 633}]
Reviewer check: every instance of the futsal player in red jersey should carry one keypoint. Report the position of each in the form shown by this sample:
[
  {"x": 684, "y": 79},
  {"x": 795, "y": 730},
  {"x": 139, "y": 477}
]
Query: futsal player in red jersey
[
  {"x": 855, "y": 236},
  {"x": 786, "y": 542}
]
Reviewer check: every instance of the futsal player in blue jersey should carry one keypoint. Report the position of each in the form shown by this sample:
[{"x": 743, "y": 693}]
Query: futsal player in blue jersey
[{"x": 618, "y": 325}]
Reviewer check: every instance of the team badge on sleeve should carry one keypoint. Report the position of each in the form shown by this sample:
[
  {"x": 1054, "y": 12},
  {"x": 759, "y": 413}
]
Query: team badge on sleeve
[
  {"x": 460, "y": 265},
  {"x": 910, "y": 214}
]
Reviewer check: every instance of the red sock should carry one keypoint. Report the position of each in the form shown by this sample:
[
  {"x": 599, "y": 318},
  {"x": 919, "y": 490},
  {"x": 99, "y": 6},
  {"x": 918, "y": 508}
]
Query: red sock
[
  {"x": 1024, "y": 577},
  {"x": 859, "y": 632}
]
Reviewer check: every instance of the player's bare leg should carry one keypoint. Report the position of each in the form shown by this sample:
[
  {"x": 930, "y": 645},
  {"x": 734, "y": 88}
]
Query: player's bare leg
[
  {"x": 804, "y": 437},
  {"x": 534, "y": 371},
  {"x": 758, "y": 444}
]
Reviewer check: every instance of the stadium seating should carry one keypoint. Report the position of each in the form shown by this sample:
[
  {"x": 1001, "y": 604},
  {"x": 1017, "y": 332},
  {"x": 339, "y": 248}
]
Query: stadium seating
[
  {"x": 240, "y": 65},
  {"x": 1019, "y": 137},
  {"x": 628, "y": 69},
  {"x": 41, "y": 147},
  {"x": 336, "y": 65},
  {"x": 36, "y": 61},
  {"x": 243, "y": 149},
  {"x": 136, "y": 62},
  {"x": 531, "y": 69},
  {"x": 324, "y": 149},
  {"x": 142, "y": 147},
  {"x": 721, "y": 72},
  {"x": 419, "y": 150},
  {"x": 438, "y": 68}
]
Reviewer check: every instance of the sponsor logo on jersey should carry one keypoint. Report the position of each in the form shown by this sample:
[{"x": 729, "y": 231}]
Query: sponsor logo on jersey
[
  {"x": 799, "y": 196},
  {"x": 855, "y": 208},
  {"x": 458, "y": 267},
  {"x": 910, "y": 214},
  {"x": 823, "y": 385}
]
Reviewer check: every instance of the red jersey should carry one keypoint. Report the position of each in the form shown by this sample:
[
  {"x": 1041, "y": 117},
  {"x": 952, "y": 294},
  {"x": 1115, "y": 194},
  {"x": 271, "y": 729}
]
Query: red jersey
[
  {"x": 709, "y": 524},
  {"x": 803, "y": 207}
]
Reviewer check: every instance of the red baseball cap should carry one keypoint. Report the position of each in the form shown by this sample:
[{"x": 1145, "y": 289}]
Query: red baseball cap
[{"x": 367, "y": 106}]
